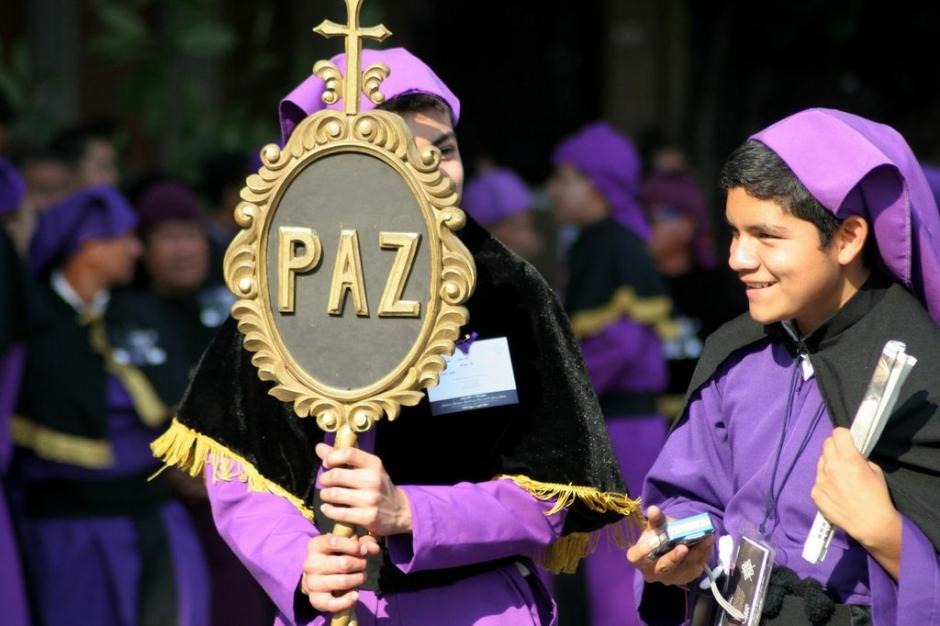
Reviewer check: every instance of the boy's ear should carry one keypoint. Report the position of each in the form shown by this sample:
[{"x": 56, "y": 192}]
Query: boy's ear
[{"x": 850, "y": 239}]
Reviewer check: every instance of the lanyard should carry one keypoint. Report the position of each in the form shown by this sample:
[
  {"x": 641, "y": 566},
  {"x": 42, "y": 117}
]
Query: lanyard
[{"x": 772, "y": 496}]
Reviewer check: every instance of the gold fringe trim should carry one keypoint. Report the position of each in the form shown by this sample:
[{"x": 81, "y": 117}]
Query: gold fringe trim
[
  {"x": 653, "y": 312},
  {"x": 563, "y": 555},
  {"x": 61, "y": 447},
  {"x": 189, "y": 450}
]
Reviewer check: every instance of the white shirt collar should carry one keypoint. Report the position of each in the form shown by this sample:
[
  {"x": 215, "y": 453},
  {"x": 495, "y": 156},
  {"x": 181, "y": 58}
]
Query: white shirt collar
[
  {"x": 98, "y": 304},
  {"x": 805, "y": 364}
]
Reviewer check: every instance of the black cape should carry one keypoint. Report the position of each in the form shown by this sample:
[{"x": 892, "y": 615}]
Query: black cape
[
  {"x": 843, "y": 352},
  {"x": 554, "y": 443}
]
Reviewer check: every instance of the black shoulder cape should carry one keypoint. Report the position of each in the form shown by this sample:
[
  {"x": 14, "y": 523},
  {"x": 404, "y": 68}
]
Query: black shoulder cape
[
  {"x": 553, "y": 444},
  {"x": 843, "y": 352}
]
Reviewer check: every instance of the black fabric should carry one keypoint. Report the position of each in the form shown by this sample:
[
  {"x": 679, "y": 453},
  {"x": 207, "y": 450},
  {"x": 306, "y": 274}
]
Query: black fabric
[
  {"x": 121, "y": 496},
  {"x": 157, "y": 602},
  {"x": 622, "y": 404},
  {"x": 173, "y": 327},
  {"x": 64, "y": 380},
  {"x": 843, "y": 352},
  {"x": 703, "y": 301},
  {"x": 556, "y": 433},
  {"x": 606, "y": 257},
  {"x": 794, "y": 600}
]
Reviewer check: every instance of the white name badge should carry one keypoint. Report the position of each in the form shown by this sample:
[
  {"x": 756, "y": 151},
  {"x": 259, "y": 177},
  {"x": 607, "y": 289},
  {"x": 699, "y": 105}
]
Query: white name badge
[{"x": 480, "y": 378}]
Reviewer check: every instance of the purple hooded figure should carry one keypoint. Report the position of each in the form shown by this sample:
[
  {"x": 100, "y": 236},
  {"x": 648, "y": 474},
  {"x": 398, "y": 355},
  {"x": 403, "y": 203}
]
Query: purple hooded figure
[
  {"x": 762, "y": 442},
  {"x": 459, "y": 548},
  {"x": 13, "y": 316},
  {"x": 83, "y": 424},
  {"x": 620, "y": 313},
  {"x": 502, "y": 202}
]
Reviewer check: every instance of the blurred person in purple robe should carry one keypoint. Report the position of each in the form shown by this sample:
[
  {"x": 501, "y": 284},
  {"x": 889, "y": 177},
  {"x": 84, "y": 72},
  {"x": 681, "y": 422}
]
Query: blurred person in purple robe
[
  {"x": 499, "y": 200},
  {"x": 13, "y": 327},
  {"x": 83, "y": 423},
  {"x": 836, "y": 239},
  {"x": 460, "y": 522},
  {"x": 162, "y": 325},
  {"x": 704, "y": 294},
  {"x": 620, "y": 313}
]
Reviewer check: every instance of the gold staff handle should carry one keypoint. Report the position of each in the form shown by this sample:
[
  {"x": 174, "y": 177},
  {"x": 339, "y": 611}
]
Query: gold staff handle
[{"x": 345, "y": 438}]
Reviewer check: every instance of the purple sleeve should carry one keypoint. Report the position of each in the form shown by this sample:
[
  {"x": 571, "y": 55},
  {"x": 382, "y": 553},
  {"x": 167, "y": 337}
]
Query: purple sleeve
[
  {"x": 693, "y": 473},
  {"x": 625, "y": 355},
  {"x": 267, "y": 534},
  {"x": 472, "y": 523},
  {"x": 915, "y": 598}
]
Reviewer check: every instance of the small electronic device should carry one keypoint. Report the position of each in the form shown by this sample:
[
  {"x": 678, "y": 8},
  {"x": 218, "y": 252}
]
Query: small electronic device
[{"x": 688, "y": 530}]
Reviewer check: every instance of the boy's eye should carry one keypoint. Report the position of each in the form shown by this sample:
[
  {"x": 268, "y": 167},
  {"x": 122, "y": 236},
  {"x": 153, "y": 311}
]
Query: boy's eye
[{"x": 448, "y": 151}]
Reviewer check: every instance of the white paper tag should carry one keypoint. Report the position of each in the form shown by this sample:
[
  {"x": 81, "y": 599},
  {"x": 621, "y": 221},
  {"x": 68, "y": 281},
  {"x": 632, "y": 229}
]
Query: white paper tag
[{"x": 480, "y": 378}]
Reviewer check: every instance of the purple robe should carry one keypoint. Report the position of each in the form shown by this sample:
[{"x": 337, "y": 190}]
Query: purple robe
[
  {"x": 103, "y": 550},
  {"x": 12, "y": 590},
  {"x": 452, "y": 526},
  {"x": 717, "y": 461}
]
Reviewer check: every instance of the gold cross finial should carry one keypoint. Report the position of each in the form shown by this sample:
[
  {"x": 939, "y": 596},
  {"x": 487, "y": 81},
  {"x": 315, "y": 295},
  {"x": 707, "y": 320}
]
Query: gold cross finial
[{"x": 354, "y": 35}]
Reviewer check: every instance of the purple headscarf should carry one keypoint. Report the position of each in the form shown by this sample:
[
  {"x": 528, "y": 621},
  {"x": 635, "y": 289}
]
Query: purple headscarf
[
  {"x": 854, "y": 166},
  {"x": 613, "y": 165},
  {"x": 682, "y": 193},
  {"x": 164, "y": 202},
  {"x": 92, "y": 213},
  {"x": 495, "y": 195},
  {"x": 12, "y": 188},
  {"x": 408, "y": 75}
]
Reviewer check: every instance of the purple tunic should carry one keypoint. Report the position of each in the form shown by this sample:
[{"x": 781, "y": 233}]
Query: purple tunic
[
  {"x": 720, "y": 455},
  {"x": 12, "y": 591},
  {"x": 104, "y": 549},
  {"x": 452, "y": 526}
]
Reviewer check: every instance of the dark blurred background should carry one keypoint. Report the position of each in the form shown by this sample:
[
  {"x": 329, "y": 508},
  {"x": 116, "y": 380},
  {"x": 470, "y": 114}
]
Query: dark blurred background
[{"x": 183, "y": 78}]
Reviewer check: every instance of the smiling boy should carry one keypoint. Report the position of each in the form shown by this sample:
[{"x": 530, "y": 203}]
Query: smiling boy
[{"x": 835, "y": 237}]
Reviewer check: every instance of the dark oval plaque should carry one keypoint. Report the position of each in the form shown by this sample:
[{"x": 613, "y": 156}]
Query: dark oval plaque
[{"x": 347, "y": 351}]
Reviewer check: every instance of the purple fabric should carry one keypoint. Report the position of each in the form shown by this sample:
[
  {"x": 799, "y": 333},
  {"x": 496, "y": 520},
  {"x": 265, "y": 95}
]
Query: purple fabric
[
  {"x": 680, "y": 192},
  {"x": 103, "y": 551},
  {"x": 932, "y": 172},
  {"x": 613, "y": 165},
  {"x": 93, "y": 213},
  {"x": 495, "y": 195},
  {"x": 12, "y": 188},
  {"x": 854, "y": 166},
  {"x": 608, "y": 574},
  {"x": 164, "y": 202},
  {"x": 716, "y": 462},
  {"x": 408, "y": 75},
  {"x": 455, "y": 525},
  {"x": 625, "y": 356},
  {"x": 915, "y": 599},
  {"x": 12, "y": 589},
  {"x": 11, "y": 373}
]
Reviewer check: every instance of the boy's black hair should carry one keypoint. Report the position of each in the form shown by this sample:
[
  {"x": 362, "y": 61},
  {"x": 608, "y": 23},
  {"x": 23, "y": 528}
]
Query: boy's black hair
[
  {"x": 411, "y": 102},
  {"x": 763, "y": 174}
]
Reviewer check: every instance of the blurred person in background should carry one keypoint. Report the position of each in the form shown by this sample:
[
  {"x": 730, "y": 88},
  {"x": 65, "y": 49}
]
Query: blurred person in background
[
  {"x": 161, "y": 327},
  {"x": 705, "y": 294},
  {"x": 84, "y": 420},
  {"x": 90, "y": 153},
  {"x": 223, "y": 176},
  {"x": 499, "y": 200},
  {"x": 619, "y": 311}
]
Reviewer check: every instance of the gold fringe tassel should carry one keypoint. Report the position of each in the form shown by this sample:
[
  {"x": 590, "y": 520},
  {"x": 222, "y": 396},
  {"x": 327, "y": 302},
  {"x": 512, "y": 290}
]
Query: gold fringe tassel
[
  {"x": 189, "y": 450},
  {"x": 562, "y": 556},
  {"x": 653, "y": 312}
]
